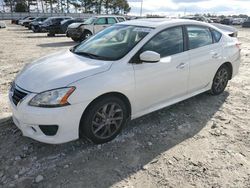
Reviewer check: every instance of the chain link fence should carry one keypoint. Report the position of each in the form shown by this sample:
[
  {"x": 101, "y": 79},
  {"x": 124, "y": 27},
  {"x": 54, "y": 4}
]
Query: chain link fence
[{"x": 16, "y": 15}]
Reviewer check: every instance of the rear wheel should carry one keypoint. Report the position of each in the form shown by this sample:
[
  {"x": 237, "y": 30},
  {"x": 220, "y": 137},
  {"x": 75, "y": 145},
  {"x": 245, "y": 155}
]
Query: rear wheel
[
  {"x": 104, "y": 119},
  {"x": 220, "y": 80}
]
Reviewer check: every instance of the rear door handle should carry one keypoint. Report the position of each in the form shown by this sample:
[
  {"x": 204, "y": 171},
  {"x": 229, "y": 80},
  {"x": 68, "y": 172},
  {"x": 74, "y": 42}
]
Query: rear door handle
[{"x": 181, "y": 66}]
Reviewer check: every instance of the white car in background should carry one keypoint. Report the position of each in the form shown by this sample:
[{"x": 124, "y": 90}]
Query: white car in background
[
  {"x": 237, "y": 21},
  {"x": 2, "y": 24},
  {"x": 125, "y": 71},
  {"x": 93, "y": 25}
]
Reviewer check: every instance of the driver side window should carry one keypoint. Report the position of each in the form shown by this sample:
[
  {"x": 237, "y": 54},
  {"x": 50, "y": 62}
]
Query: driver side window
[{"x": 166, "y": 43}]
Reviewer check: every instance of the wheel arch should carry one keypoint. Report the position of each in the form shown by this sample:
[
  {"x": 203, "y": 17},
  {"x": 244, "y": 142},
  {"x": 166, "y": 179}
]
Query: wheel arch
[
  {"x": 230, "y": 67},
  {"x": 123, "y": 97},
  {"x": 87, "y": 30}
]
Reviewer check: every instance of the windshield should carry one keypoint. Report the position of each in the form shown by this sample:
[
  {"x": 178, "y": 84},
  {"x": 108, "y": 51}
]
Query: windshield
[
  {"x": 112, "y": 43},
  {"x": 90, "y": 21},
  {"x": 48, "y": 20}
]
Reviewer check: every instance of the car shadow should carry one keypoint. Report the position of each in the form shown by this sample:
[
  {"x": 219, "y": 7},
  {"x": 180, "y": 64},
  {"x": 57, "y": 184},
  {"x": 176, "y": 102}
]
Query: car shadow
[
  {"x": 57, "y": 44},
  {"x": 18, "y": 29},
  {"x": 82, "y": 164},
  {"x": 43, "y": 36}
]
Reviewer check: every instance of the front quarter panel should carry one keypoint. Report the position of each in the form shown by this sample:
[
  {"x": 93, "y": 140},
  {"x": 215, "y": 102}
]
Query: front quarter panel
[{"x": 119, "y": 78}]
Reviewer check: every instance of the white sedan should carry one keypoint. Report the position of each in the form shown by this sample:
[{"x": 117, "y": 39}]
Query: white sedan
[
  {"x": 126, "y": 71},
  {"x": 2, "y": 25}
]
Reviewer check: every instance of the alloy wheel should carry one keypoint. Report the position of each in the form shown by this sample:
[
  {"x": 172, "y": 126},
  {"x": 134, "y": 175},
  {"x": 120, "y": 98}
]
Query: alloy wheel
[
  {"x": 107, "y": 120},
  {"x": 221, "y": 79}
]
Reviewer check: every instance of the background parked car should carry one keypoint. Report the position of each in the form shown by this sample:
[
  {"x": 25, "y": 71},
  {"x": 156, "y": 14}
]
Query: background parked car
[
  {"x": 15, "y": 21},
  {"x": 81, "y": 31},
  {"x": 198, "y": 18},
  {"x": 246, "y": 23},
  {"x": 2, "y": 25},
  {"x": 62, "y": 27},
  {"x": 227, "y": 21},
  {"x": 35, "y": 25},
  {"x": 52, "y": 22},
  {"x": 36, "y": 22},
  {"x": 21, "y": 22},
  {"x": 27, "y": 22},
  {"x": 216, "y": 20},
  {"x": 237, "y": 21}
]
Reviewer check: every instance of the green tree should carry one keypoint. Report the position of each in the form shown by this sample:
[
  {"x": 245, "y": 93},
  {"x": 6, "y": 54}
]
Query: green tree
[{"x": 21, "y": 7}]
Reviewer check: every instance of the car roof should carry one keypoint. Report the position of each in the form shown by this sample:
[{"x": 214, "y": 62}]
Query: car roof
[
  {"x": 158, "y": 22},
  {"x": 56, "y": 17},
  {"x": 108, "y": 16}
]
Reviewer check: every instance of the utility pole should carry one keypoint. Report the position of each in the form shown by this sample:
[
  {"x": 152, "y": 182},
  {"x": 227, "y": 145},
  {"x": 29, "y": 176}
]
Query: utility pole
[{"x": 141, "y": 8}]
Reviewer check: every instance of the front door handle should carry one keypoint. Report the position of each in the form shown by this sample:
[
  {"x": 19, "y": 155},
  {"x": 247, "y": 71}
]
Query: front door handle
[
  {"x": 215, "y": 55},
  {"x": 181, "y": 66}
]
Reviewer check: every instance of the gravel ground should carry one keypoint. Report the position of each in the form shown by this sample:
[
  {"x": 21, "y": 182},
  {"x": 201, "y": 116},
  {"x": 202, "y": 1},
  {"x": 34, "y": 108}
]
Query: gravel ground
[{"x": 201, "y": 142}]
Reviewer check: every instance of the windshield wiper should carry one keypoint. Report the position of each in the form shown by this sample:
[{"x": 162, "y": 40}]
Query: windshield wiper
[{"x": 92, "y": 56}]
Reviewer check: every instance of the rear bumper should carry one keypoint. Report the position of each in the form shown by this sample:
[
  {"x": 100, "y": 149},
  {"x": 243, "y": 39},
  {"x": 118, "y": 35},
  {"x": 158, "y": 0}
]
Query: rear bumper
[{"x": 30, "y": 119}]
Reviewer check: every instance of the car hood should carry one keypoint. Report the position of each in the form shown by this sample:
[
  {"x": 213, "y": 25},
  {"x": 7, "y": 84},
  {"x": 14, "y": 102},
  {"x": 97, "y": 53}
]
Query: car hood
[
  {"x": 58, "y": 70},
  {"x": 75, "y": 25}
]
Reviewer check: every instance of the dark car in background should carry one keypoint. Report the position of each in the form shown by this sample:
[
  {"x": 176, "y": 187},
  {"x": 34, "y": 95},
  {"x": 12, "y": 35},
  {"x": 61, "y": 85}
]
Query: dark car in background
[
  {"x": 246, "y": 23},
  {"x": 62, "y": 27},
  {"x": 52, "y": 22},
  {"x": 82, "y": 31},
  {"x": 35, "y": 24},
  {"x": 227, "y": 21}
]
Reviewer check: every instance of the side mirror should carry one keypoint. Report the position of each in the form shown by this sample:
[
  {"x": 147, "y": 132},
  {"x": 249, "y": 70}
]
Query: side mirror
[{"x": 150, "y": 57}]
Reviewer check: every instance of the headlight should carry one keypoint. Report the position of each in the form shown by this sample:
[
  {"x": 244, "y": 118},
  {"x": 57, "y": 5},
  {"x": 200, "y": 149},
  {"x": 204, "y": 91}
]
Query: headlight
[{"x": 52, "y": 98}]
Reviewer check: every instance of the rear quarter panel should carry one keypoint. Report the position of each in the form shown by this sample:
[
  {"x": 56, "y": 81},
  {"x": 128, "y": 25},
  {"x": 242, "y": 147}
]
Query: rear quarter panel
[{"x": 231, "y": 53}]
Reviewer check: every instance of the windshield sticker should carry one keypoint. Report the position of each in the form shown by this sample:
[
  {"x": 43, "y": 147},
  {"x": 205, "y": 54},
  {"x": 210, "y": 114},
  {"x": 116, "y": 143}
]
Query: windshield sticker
[{"x": 143, "y": 29}]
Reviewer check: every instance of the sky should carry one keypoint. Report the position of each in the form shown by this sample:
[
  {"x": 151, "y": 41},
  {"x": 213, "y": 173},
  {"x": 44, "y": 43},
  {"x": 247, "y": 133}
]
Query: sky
[{"x": 180, "y": 7}]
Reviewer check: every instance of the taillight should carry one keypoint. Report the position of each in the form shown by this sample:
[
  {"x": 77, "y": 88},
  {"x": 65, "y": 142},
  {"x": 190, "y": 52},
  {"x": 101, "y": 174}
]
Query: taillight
[{"x": 238, "y": 45}]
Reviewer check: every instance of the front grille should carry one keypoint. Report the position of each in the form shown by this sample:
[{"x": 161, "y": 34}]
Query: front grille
[{"x": 18, "y": 95}]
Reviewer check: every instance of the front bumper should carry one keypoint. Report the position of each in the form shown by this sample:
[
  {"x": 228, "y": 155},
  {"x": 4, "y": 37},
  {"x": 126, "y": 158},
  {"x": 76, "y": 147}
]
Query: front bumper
[{"x": 28, "y": 119}]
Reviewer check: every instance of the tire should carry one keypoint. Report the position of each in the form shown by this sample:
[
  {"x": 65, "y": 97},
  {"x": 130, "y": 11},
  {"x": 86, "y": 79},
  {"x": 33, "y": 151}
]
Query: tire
[
  {"x": 86, "y": 34},
  {"x": 100, "y": 123},
  {"x": 75, "y": 39},
  {"x": 50, "y": 34},
  {"x": 220, "y": 80}
]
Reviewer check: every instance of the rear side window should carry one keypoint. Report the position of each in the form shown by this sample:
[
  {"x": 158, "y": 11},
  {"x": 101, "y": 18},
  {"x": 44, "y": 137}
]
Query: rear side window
[
  {"x": 199, "y": 36},
  {"x": 166, "y": 43},
  {"x": 101, "y": 21},
  {"x": 216, "y": 34},
  {"x": 111, "y": 21},
  {"x": 121, "y": 19}
]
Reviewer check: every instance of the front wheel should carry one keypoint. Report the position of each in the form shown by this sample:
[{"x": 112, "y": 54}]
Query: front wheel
[
  {"x": 86, "y": 35},
  {"x": 220, "y": 80},
  {"x": 104, "y": 119},
  {"x": 51, "y": 34},
  {"x": 75, "y": 39}
]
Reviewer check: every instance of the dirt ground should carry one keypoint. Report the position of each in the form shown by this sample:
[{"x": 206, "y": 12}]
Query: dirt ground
[{"x": 201, "y": 142}]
